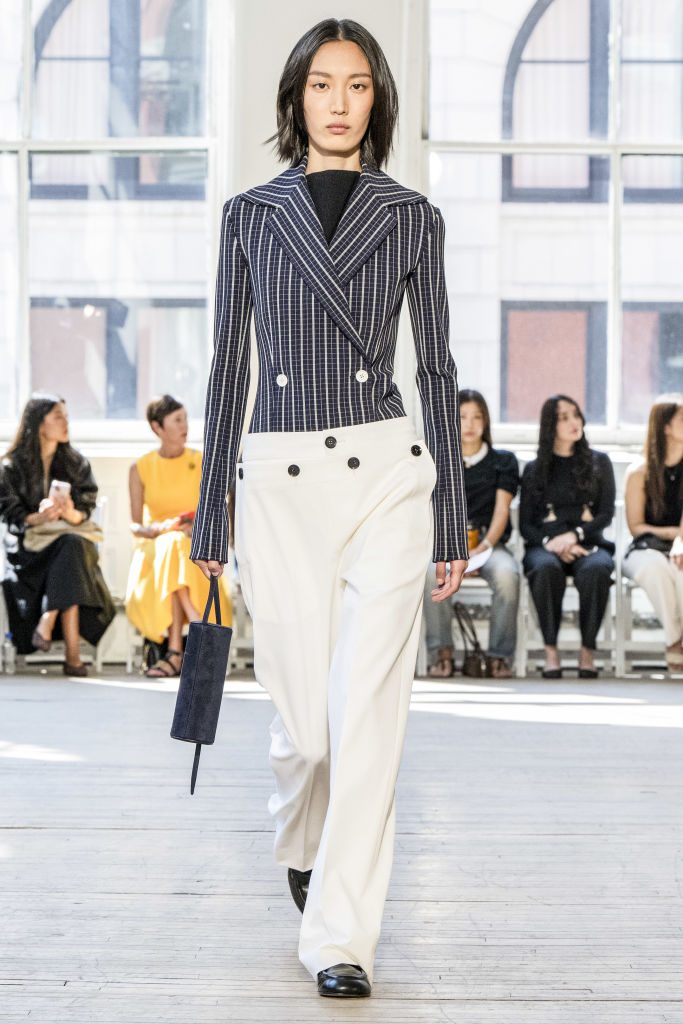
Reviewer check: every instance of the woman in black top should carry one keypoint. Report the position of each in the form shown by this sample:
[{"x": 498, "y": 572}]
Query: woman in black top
[
  {"x": 567, "y": 501},
  {"x": 491, "y": 482},
  {"x": 63, "y": 578},
  {"x": 654, "y": 511}
]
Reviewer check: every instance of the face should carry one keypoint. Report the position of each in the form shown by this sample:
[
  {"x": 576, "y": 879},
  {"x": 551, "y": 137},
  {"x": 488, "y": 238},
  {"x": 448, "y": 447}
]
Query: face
[
  {"x": 338, "y": 98},
  {"x": 674, "y": 428},
  {"x": 471, "y": 422},
  {"x": 55, "y": 426},
  {"x": 569, "y": 424},
  {"x": 174, "y": 428}
]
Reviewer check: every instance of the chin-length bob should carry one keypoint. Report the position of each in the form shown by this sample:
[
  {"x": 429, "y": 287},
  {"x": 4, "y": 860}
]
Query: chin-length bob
[{"x": 291, "y": 138}]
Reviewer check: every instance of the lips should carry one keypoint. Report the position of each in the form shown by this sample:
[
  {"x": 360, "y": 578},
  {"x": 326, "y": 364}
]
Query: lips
[{"x": 338, "y": 129}]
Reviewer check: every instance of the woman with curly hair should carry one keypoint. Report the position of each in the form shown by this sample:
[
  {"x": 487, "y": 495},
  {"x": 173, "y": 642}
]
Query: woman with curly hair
[
  {"x": 567, "y": 502},
  {"x": 654, "y": 512}
]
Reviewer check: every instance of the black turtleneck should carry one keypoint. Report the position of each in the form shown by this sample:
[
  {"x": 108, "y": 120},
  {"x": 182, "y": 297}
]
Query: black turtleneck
[{"x": 330, "y": 191}]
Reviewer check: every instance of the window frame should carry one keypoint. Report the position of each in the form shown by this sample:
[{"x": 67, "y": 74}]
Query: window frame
[
  {"x": 128, "y": 44},
  {"x": 612, "y": 149},
  {"x": 106, "y": 436}
]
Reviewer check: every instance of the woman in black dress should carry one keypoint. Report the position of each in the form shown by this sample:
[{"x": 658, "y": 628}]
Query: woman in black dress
[
  {"x": 57, "y": 591},
  {"x": 567, "y": 501}
]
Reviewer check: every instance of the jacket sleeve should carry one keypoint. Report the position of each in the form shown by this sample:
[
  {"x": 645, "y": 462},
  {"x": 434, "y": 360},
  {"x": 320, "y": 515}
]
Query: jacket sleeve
[
  {"x": 530, "y": 514},
  {"x": 83, "y": 488},
  {"x": 226, "y": 397},
  {"x": 438, "y": 388},
  {"x": 604, "y": 511},
  {"x": 13, "y": 506}
]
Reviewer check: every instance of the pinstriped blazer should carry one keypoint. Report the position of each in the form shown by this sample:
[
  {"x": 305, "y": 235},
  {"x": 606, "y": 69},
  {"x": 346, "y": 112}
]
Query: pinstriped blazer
[{"x": 326, "y": 319}]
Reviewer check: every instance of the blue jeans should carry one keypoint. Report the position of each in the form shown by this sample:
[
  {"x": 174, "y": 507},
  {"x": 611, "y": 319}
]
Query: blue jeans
[{"x": 502, "y": 573}]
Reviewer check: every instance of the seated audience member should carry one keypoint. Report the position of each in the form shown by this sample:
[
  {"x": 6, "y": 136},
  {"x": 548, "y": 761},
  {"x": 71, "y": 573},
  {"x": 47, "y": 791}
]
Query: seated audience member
[
  {"x": 53, "y": 586},
  {"x": 654, "y": 512},
  {"x": 165, "y": 589},
  {"x": 491, "y": 482},
  {"x": 567, "y": 501}
]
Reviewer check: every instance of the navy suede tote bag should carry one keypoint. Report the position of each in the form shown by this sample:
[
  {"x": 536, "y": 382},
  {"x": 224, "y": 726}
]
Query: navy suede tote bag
[{"x": 202, "y": 679}]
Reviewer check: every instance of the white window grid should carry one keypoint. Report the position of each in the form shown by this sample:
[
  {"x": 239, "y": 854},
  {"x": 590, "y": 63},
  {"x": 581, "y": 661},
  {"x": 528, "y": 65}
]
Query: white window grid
[
  {"x": 611, "y": 433},
  {"x": 101, "y": 436}
]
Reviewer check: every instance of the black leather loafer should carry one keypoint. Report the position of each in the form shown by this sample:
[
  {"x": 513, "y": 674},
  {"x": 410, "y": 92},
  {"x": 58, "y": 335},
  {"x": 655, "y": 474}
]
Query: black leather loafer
[
  {"x": 298, "y": 886},
  {"x": 344, "y": 981}
]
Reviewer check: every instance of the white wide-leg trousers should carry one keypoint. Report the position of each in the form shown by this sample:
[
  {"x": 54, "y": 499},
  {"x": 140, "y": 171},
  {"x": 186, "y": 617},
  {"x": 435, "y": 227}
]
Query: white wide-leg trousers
[{"x": 333, "y": 531}]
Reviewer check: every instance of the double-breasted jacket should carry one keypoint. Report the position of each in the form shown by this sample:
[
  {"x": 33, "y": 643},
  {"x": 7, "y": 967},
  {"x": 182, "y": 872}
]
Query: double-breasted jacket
[{"x": 326, "y": 320}]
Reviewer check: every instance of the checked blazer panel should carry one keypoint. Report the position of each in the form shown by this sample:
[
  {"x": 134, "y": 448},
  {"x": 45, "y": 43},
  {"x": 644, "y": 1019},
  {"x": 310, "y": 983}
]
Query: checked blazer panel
[{"x": 326, "y": 321}]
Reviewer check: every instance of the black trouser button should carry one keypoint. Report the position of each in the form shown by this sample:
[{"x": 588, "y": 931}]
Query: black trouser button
[
  {"x": 416, "y": 450},
  {"x": 241, "y": 473},
  {"x": 293, "y": 470},
  {"x": 353, "y": 462},
  {"x": 330, "y": 442}
]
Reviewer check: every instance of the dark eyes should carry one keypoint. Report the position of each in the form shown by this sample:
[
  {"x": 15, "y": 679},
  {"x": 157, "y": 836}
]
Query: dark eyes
[{"x": 356, "y": 86}]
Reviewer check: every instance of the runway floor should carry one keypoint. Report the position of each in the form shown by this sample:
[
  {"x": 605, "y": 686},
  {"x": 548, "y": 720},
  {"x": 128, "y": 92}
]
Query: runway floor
[{"x": 538, "y": 875}]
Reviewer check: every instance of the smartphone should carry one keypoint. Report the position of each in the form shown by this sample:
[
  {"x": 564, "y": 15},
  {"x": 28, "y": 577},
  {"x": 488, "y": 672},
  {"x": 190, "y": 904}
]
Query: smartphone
[{"x": 60, "y": 489}]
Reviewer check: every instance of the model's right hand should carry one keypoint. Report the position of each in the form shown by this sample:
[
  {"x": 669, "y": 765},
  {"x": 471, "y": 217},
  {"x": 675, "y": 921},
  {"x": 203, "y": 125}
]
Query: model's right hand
[{"x": 209, "y": 568}]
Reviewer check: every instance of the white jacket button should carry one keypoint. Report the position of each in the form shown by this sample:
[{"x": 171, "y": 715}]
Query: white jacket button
[
  {"x": 362, "y": 376},
  {"x": 281, "y": 379}
]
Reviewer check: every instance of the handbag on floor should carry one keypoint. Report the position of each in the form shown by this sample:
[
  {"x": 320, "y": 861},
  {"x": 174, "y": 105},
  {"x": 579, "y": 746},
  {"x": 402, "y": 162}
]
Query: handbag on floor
[
  {"x": 474, "y": 663},
  {"x": 202, "y": 679}
]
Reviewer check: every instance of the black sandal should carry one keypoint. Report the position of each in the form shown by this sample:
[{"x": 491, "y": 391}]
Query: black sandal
[{"x": 157, "y": 672}]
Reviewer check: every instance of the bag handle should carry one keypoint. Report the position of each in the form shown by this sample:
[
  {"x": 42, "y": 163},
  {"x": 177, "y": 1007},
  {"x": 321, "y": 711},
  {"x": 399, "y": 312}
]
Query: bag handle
[{"x": 214, "y": 598}]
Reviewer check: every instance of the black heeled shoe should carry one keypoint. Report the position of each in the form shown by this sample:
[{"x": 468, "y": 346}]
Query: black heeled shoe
[
  {"x": 552, "y": 673},
  {"x": 345, "y": 981},
  {"x": 298, "y": 886},
  {"x": 588, "y": 673}
]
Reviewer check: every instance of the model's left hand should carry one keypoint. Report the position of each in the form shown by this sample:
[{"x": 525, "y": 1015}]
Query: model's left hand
[
  {"x": 449, "y": 584},
  {"x": 676, "y": 554}
]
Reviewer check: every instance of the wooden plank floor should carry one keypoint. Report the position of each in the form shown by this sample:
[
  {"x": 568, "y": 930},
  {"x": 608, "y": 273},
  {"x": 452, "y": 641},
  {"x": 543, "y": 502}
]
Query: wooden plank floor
[{"x": 538, "y": 874}]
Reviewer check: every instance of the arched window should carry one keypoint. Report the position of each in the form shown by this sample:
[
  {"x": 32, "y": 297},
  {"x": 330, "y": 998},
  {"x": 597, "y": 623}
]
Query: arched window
[
  {"x": 113, "y": 69},
  {"x": 556, "y": 89}
]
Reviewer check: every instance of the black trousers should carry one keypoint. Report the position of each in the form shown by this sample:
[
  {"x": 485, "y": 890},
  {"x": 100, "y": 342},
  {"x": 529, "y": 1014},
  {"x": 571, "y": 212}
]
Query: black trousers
[
  {"x": 64, "y": 573},
  {"x": 547, "y": 575}
]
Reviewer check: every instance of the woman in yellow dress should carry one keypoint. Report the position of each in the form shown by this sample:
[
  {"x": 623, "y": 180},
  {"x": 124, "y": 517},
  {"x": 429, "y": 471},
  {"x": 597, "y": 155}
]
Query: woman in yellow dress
[{"x": 165, "y": 589}]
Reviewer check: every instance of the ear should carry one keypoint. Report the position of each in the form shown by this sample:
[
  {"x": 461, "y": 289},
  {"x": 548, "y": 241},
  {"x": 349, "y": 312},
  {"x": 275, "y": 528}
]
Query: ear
[{"x": 156, "y": 427}]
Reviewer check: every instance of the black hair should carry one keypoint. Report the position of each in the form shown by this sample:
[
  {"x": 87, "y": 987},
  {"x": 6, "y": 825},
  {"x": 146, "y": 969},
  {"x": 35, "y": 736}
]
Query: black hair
[
  {"x": 291, "y": 138},
  {"x": 582, "y": 468},
  {"x": 161, "y": 407},
  {"x": 470, "y": 395},
  {"x": 24, "y": 452}
]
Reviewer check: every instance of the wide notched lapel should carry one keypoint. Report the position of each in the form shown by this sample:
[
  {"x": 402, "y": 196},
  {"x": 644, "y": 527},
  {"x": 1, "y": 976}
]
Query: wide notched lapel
[
  {"x": 297, "y": 228},
  {"x": 365, "y": 223}
]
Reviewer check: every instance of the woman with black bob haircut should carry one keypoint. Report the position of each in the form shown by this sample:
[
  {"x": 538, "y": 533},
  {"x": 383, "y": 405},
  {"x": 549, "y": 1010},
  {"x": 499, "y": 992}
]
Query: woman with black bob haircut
[
  {"x": 53, "y": 588},
  {"x": 339, "y": 504},
  {"x": 291, "y": 139},
  {"x": 567, "y": 502}
]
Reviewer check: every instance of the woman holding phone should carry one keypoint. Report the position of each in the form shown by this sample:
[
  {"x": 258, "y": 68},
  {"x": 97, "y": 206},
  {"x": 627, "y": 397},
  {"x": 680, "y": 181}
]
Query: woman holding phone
[{"x": 57, "y": 591}]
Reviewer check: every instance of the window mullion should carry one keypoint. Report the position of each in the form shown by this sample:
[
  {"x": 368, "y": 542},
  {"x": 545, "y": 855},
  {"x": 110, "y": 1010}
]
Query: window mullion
[{"x": 615, "y": 320}]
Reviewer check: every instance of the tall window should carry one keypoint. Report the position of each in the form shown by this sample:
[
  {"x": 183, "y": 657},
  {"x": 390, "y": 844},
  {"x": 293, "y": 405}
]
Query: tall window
[
  {"x": 106, "y": 147},
  {"x": 556, "y": 155}
]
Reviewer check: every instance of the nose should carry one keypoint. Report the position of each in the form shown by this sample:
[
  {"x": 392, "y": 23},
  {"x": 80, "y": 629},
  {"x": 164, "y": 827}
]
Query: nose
[{"x": 337, "y": 101}]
